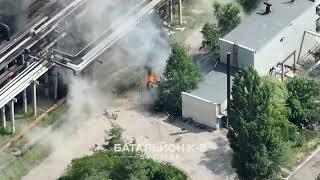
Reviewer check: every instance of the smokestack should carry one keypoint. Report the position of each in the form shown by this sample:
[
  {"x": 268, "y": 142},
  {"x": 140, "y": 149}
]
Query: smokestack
[
  {"x": 268, "y": 8},
  {"x": 228, "y": 86}
]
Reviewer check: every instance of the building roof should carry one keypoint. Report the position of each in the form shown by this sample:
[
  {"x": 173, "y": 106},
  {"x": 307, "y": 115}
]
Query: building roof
[
  {"x": 214, "y": 86},
  {"x": 257, "y": 30}
]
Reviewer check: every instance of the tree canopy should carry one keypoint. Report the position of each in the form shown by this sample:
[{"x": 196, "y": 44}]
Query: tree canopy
[
  {"x": 228, "y": 18},
  {"x": 119, "y": 165},
  {"x": 303, "y": 92},
  {"x": 254, "y": 117},
  {"x": 211, "y": 34},
  {"x": 180, "y": 75}
]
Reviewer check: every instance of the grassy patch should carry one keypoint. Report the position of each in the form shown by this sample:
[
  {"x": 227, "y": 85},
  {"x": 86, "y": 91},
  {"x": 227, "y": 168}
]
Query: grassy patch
[
  {"x": 297, "y": 151},
  {"x": 16, "y": 167},
  {"x": 21, "y": 120},
  {"x": 20, "y": 166},
  {"x": 53, "y": 116}
]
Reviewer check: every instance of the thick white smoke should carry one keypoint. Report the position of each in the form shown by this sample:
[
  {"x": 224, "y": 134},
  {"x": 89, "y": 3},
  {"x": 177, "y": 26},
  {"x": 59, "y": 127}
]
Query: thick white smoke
[{"x": 146, "y": 44}]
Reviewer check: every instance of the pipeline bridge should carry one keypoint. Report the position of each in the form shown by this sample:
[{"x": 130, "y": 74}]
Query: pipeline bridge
[{"x": 30, "y": 56}]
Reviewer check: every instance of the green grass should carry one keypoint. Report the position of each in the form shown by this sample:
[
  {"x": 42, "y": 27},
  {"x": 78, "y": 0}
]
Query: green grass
[
  {"x": 53, "y": 116},
  {"x": 19, "y": 167},
  {"x": 295, "y": 154},
  {"x": 21, "y": 120},
  {"x": 16, "y": 167}
]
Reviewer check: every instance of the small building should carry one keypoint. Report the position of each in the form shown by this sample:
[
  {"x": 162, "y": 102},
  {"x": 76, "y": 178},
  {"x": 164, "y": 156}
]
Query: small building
[
  {"x": 272, "y": 34},
  {"x": 207, "y": 104}
]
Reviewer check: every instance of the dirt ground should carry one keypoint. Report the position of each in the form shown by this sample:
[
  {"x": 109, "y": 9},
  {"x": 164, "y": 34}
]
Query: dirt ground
[{"x": 211, "y": 161}]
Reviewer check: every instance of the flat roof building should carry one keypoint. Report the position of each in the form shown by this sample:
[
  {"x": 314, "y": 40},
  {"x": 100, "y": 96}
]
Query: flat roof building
[{"x": 264, "y": 39}]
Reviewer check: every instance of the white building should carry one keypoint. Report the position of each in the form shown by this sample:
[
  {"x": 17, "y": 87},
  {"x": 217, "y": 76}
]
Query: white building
[
  {"x": 207, "y": 104},
  {"x": 263, "y": 39}
]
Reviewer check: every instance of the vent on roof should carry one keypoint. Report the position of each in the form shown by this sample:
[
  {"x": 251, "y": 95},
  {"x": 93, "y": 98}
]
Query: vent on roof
[{"x": 268, "y": 9}]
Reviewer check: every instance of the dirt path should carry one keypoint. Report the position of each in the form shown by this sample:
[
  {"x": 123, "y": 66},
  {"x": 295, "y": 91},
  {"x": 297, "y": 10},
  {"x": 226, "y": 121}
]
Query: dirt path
[
  {"x": 75, "y": 146},
  {"x": 209, "y": 162},
  {"x": 212, "y": 161}
]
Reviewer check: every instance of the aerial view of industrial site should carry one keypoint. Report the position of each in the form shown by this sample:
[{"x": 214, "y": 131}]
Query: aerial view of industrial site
[{"x": 159, "y": 89}]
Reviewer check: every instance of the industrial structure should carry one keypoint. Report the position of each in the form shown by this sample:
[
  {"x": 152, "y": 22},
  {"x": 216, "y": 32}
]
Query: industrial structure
[
  {"x": 32, "y": 53},
  {"x": 272, "y": 40}
]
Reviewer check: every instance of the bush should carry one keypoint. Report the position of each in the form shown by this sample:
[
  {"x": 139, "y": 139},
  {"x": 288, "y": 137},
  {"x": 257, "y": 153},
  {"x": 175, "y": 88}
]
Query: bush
[
  {"x": 5, "y": 131},
  {"x": 302, "y": 94}
]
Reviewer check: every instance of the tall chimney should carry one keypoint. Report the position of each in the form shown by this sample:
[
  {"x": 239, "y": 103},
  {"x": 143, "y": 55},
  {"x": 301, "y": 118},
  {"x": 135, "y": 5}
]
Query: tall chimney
[{"x": 228, "y": 86}]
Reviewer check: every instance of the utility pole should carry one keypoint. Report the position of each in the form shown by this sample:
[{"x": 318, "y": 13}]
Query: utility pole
[
  {"x": 228, "y": 86},
  {"x": 180, "y": 12}
]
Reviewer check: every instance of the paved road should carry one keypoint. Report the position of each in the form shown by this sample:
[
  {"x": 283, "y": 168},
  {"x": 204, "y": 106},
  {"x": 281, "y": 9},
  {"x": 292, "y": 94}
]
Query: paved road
[{"x": 309, "y": 170}]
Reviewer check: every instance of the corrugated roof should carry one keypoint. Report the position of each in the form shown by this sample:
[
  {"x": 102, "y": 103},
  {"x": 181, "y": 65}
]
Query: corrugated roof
[{"x": 256, "y": 30}]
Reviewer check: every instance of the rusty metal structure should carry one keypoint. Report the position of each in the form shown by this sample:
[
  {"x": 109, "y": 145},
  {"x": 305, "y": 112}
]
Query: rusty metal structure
[{"x": 31, "y": 53}]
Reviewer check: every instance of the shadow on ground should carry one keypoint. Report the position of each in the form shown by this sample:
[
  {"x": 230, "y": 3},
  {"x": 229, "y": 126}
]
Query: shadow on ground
[{"x": 219, "y": 160}]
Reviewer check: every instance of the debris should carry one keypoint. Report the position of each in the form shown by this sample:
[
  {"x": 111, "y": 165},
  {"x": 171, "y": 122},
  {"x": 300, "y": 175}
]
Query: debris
[
  {"x": 15, "y": 152},
  {"x": 108, "y": 115},
  {"x": 94, "y": 148},
  {"x": 178, "y": 139}
]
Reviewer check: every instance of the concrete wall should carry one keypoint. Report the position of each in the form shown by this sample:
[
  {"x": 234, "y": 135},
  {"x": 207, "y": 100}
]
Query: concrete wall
[
  {"x": 245, "y": 55},
  {"x": 200, "y": 110},
  {"x": 286, "y": 42}
]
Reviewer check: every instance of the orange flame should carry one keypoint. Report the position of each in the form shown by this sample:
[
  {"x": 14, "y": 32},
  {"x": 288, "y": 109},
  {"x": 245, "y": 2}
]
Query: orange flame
[{"x": 152, "y": 79}]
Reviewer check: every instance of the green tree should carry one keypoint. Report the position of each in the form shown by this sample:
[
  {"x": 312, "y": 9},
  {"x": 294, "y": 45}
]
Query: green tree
[
  {"x": 303, "y": 92},
  {"x": 278, "y": 111},
  {"x": 318, "y": 177},
  {"x": 180, "y": 75},
  {"x": 119, "y": 165},
  {"x": 249, "y": 5},
  {"x": 256, "y": 144},
  {"x": 114, "y": 137},
  {"x": 211, "y": 34},
  {"x": 227, "y": 16}
]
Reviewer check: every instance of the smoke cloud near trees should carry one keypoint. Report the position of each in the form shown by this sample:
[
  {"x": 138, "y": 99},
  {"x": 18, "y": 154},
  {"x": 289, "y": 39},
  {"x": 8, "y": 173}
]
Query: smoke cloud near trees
[{"x": 145, "y": 45}]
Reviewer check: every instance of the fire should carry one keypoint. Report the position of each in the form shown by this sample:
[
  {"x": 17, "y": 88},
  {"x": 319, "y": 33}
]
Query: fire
[{"x": 152, "y": 79}]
